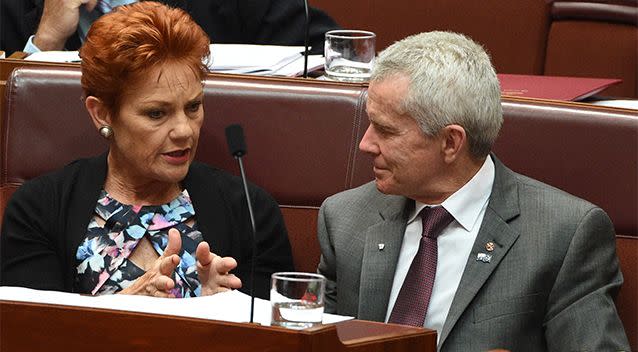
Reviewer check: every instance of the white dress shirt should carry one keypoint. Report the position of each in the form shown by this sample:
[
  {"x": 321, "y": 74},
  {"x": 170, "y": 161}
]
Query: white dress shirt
[{"x": 467, "y": 206}]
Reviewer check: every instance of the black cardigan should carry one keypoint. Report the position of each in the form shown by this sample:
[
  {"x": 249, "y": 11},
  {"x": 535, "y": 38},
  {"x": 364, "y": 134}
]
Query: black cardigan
[
  {"x": 46, "y": 220},
  {"x": 275, "y": 22}
]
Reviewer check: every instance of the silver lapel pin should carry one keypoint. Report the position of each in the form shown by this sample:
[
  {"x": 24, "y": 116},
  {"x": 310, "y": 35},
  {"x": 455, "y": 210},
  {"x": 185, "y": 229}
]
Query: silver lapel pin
[
  {"x": 381, "y": 246},
  {"x": 485, "y": 258}
]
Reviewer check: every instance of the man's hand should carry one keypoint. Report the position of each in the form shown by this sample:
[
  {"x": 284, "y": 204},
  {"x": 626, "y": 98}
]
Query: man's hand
[{"x": 59, "y": 21}]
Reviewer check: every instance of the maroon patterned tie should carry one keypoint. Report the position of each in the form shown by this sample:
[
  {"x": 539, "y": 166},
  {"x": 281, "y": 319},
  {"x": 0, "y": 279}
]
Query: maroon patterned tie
[{"x": 414, "y": 297}]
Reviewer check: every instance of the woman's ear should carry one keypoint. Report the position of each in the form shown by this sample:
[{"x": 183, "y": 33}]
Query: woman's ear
[{"x": 98, "y": 112}]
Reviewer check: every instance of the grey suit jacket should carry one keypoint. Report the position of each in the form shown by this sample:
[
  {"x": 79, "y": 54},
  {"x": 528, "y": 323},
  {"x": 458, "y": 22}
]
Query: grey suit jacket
[{"x": 549, "y": 286}]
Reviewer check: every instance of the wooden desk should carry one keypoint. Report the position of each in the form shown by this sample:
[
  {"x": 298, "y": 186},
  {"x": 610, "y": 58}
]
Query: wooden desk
[{"x": 43, "y": 327}]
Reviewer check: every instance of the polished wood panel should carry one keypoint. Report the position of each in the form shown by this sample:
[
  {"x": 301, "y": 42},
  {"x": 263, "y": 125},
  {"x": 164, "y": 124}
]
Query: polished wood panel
[
  {"x": 42, "y": 327},
  {"x": 301, "y": 223}
]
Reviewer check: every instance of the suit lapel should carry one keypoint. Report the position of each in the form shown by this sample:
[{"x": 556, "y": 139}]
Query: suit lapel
[
  {"x": 503, "y": 207},
  {"x": 382, "y": 246}
]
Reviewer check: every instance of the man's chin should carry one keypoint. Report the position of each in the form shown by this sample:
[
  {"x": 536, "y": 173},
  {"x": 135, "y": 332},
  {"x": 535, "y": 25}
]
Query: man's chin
[{"x": 383, "y": 187}]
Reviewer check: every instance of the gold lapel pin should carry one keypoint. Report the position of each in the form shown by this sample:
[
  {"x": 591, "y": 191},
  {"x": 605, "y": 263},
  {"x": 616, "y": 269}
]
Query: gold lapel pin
[{"x": 489, "y": 246}]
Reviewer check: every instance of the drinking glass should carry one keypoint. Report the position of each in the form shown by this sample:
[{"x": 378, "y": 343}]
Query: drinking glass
[
  {"x": 297, "y": 299},
  {"x": 349, "y": 55}
]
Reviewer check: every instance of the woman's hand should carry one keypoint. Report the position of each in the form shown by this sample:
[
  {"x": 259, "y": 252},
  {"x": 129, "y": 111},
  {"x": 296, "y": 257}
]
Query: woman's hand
[
  {"x": 213, "y": 271},
  {"x": 157, "y": 281}
]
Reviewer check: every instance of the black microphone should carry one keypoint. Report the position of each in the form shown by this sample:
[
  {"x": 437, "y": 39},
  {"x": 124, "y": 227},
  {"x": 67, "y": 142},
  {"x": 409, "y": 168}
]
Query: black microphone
[
  {"x": 237, "y": 147},
  {"x": 235, "y": 140},
  {"x": 306, "y": 39}
]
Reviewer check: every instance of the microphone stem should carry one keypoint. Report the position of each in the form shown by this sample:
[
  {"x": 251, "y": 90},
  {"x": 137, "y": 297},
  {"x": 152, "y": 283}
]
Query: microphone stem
[
  {"x": 306, "y": 39},
  {"x": 252, "y": 223}
]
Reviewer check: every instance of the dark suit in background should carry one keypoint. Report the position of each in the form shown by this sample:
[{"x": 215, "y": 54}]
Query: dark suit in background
[{"x": 275, "y": 22}]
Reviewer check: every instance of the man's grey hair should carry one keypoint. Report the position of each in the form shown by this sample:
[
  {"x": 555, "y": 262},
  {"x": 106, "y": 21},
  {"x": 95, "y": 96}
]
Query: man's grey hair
[{"x": 452, "y": 81}]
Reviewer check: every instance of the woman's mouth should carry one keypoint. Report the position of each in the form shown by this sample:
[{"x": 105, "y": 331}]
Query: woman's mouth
[{"x": 177, "y": 156}]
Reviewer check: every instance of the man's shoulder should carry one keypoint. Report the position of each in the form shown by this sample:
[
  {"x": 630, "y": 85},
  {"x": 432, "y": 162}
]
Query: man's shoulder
[
  {"x": 538, "y": 191},
  {"x": 363, "y": 194},
  {"x": 533, "y": 192},
  {"x": 550, "y": 207},
  {"x": 362, "y": 199}
]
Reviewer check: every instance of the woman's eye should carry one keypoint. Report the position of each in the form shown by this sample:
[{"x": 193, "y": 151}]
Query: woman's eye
[
  {"x": 194, "y": 107},
  {"x": 155, "y": 114}
]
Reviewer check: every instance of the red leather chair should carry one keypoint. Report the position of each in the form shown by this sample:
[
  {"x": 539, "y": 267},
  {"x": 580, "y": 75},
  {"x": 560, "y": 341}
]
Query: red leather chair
[{"x": 595, "y": 39}]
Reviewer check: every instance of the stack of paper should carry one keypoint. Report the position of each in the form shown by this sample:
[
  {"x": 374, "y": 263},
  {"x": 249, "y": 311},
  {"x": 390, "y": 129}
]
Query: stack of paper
[
  {"x": 267, "y": 60},
  {"x": 232, "y": 306}
]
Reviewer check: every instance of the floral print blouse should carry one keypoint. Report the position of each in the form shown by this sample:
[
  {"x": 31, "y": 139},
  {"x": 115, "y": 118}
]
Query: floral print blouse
[{"x": 103, "y": 266}]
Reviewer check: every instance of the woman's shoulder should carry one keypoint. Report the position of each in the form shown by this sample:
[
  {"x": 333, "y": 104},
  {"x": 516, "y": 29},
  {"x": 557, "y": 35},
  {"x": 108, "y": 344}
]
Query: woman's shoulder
[
  {"x": 199, "y": 172},
  {"x": 227, "y": 183},
  {"x": 69, "y": 171},
  {"x": 63, "y": 177}
]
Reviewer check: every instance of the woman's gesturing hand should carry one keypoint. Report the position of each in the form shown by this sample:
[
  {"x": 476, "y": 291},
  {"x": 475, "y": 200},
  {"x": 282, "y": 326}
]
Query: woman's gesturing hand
[
  {"x": 213, "y": 271},
  {"x": 157, "y": 281}
]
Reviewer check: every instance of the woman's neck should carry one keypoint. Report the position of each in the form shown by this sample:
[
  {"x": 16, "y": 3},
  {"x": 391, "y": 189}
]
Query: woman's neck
[
  {"x": 150, "y": 194},
  {"x": 128, "y": 190}
]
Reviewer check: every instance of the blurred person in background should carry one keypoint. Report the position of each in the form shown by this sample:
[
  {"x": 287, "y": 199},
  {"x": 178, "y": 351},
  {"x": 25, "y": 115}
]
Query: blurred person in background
[{"x": 43, "y": 25}]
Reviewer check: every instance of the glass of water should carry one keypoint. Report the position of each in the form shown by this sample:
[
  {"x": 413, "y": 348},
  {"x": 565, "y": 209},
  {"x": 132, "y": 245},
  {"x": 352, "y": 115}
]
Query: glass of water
[
  {"x": 297, "y": 299},
  {"x": 349, "y": 55}
]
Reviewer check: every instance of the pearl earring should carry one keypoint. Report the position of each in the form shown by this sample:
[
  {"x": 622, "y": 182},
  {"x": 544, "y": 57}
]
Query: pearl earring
[{"x": 106, "y": 131}]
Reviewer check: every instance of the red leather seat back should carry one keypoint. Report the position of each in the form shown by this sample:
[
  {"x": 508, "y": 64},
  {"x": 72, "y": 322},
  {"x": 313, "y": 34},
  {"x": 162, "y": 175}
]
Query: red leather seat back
[{"x": 300, "y": 134}]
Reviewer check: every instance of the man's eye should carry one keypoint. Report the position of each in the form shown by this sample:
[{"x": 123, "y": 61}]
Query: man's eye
[{"x": 382, "y": 130}]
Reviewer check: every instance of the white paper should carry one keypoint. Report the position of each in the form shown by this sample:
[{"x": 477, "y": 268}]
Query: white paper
[
  {"x": 618, "y": 103},
  {"x": 230, "y": 58},
  {"x": 255, "y": 59},
  {"x": 232, "y": 306},
  {"x": 295, "y": 68},
  {"x": 55, "y": 56}
]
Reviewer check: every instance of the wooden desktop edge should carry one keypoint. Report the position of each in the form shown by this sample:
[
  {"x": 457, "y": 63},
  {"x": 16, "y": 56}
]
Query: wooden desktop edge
[
  {"x": 348, "y": 333},
  {"x": 16, "y": 60}
]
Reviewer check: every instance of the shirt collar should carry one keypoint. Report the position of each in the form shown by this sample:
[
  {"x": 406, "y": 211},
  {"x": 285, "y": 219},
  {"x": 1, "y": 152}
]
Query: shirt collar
[{"x": 465, "y": 204}]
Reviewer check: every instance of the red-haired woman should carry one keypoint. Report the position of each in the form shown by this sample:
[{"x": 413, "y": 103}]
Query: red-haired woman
[{"x": 143, "y": 218}]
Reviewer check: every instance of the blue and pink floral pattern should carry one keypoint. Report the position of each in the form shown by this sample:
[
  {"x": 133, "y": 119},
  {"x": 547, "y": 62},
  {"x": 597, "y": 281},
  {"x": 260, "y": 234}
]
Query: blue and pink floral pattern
[{"x": 103, "y": 264}]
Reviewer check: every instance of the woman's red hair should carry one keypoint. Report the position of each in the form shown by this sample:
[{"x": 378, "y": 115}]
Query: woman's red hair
[{"x": 123, "y": 45}]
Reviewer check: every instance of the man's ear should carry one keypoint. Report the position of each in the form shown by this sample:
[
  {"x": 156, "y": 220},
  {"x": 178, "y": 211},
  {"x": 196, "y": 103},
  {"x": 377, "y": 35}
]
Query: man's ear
[
  {"x": 100, "y": 115},
  {"x": 453, "y": 142}
]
